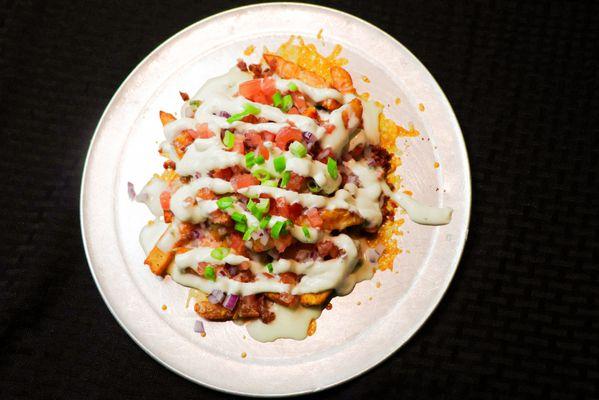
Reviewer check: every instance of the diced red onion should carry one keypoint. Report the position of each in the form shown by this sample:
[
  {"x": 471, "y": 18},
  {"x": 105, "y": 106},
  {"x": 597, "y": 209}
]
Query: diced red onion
[
  {"x": 197, "y": 175},
  {"x": 303, "y": 254},
  {"x": 195, "y": 234},
  {"x": 230, "y": 301},
  {"x": 131, "y": 191},
  {"x": 233, "y": 269},
  {"x": 198, "y": 327},
  {"x": 310, "y": 139},
  {"x": 372, "y": 256},
  {"x": 216, "y": 296},
  {"x": 351, "y": 178},
  {"x": 224, "y": 114}
]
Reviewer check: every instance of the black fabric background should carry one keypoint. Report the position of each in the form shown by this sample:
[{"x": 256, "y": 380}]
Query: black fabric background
[{"x": 520, "y": 318}]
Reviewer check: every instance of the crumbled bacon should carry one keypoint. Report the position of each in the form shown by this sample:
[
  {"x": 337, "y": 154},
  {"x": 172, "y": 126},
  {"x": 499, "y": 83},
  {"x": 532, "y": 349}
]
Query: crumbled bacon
[
  {"x": 378, "y": 157},
  {"x": 256, "y": 70},
  {"x": 327, "y": 249},
  {"x": 184, "y": 96},
  {"x": 242, "y": 65}
]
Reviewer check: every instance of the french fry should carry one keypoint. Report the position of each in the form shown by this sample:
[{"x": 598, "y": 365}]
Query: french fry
[
  {"x": 314, "y": 299},
  {"x": 158, "y": 260},
  {"x": 165, "y": 117}
]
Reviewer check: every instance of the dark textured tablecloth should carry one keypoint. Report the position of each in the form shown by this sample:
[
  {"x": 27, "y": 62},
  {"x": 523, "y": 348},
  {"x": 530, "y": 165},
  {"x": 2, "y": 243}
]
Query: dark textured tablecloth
[{"x": 520, "y": 318}]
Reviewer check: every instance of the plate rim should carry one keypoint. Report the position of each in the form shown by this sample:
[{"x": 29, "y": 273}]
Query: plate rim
[{"x": 460, "y": 246}]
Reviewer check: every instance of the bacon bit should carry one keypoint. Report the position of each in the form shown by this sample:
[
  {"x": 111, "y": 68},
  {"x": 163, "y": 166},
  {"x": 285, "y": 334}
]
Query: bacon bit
[
  {"x": 224, "y": 173},
  {"x": 168, "y": 216},
  {"x": 299, "y": 101},
  {"x": 256, "y": 70},
  {"x": 205, "y": 194},
  {"x": 169, "y": 164},
  {"x": 330, "y": 104},
  {"x": 311, "y": 112},
  {"x": 283, "y": 242},
  {"x": 242, "y": 65},
  {"x": 288, "y": 278},
  {"x": 327, "y": 249},
  {"x": 165, "y": 200},
  {"x": 253, "y": 139},
  {"x": 293, "y": 110},
  {"x": 243, "y": 180},
  {"x": 220, "y": 217},
  {"x": 314, "y": 217},
  {"x": 238, "y": 145},
  {"x": 184, "y": 96},
  {"x": 250, "y": 119},
  {"x": 237, "y": 243},
  {"x": 295, "y": 182},
  {"x": 183, "y": 140}
]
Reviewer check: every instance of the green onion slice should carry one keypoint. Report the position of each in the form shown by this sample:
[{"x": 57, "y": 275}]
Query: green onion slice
[
  {"x": 224, "y": 202},
  {"x": 280, "y": 163},
  {"x": 292, "y": 86},
  {"x": 313, "y": 186},
  {"x": 269, "y": 267},
  {"x": 332, "y": 168},
  {"x": 306, "y": 232},
  {"x": 219, "y": 253},
  {"x": 277, "y": 99},
  {"x": 264, "y": 222},
  {"x": 239, "y": 217},
  {"x": 261, "y": 174},
  {"x": 287, "y": 103},
  {"x": 229, "y": 139},
  {"x": 209, "y": 273},
  {"x": 277, "y": 229},
  {"x": 298, "y": 149},
  {"x": 285, "y": 176}
]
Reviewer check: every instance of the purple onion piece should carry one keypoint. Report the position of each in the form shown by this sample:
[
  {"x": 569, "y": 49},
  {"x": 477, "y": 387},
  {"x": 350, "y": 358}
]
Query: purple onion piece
[
  {"x": 216, "y": 296},
  {"x": 131, "y": 191},
  {"x": 224, "y": 114},
  {"x": 230, "y": 301},
  {"x": 233, "y": 270},
  {"x": 198, "y": 327},
  {"x": 310, "y": 139}
]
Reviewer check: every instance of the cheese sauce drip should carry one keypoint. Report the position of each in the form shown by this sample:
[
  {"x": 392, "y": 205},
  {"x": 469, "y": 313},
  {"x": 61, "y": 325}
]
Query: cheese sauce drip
[{"x": 218, "y": 99}]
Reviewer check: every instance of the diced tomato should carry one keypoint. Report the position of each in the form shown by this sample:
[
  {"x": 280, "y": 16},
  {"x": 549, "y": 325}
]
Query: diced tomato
[
  {"x": 251, "y": 90},
  {"x": 165, "y": 200},
  {"x": 288, "y": 278},
  {"x": 286, "y": 136},
  {"x": 293, "y": 110},
  {"x": 295, "y": 182},
  {"x": 269, "y": 88},
  {"x": 324, "y": 155},
  {"x": 181, "y": 142},
  {"x": 224, "y": 173},
  {"x": 250, "y": 119},
  {"x": 253, "y": 139},
  {"x": 220, "y": 217},
  {"x": 168, "y": 216},
  {"x": 299, "y": 101},
  {"x": 263, "y": 151},
  {"x": 205, "y": 194},
  {"x": 203, "y": 132},
  {"x": 243, "y": 180},
  {"x": 258, "y": 90},
  {"x": 314, "y": 217}
]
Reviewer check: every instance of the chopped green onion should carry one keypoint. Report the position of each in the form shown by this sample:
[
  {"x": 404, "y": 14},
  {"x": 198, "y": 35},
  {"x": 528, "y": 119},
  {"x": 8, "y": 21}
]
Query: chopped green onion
[
  {"x": 219, "y": 253},
  {"x": 292, "y": 86},
  {"x": 253, "y": 208},
  {"x": 298, "y": 149},
  {"x": 250, "y": 159},
  {"x": 224, "y": 202},
  {"x": 263, "y": 206},
  {"x": 229, "y": 139},
  {"x": 241, "y": 227},
  {"x": 195, "y": 103},
  {"x": 247, "y": 110},
  {"x": 277, "y": 229},
  {"x": 285, "y": 176},
  {"x": 313, "y": 186},
  {"x": 306, "y": 232},
  {"x": 277, "y": 99},
  {"x": 264, "y": 222},
  {"x": 248, "y": 233},
  {"x": 271, "y": 182},
  {"x": 209, "y": 273},
  {"x": 287, "y": 103},
  {"x": 239, "y": 217},
  {"x": 261, "y": 174},
  {"x": 279, "y": 163},
  {"x": 251, "y": 109},
  {"x": 269, "y": 267},
  {"x": 332, "y": 168},
  {"x": 259, "y": 159}
]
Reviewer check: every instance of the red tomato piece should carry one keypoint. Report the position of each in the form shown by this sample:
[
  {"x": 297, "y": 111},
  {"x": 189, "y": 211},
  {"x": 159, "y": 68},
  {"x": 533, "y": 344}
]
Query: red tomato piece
[
  {"x": 263, "y": 151},
  {"x": 238, "y": 146},
  {"x": 224, "y": 173},
  {"x": 286, "y": 136},
  {"x": 244, "y": 180},
  {"x": 295, "y": 182}
]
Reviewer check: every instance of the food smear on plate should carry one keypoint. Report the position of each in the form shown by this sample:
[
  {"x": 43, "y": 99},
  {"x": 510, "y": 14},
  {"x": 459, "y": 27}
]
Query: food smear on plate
[{"x": 278, "y": 193}]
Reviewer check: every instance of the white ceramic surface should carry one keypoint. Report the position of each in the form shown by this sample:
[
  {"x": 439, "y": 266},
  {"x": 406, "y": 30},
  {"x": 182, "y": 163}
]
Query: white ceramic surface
[{"x": 350, "y": 339}]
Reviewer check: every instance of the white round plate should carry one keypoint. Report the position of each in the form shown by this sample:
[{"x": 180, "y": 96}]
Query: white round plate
[{"x": 350, "y": 338}]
